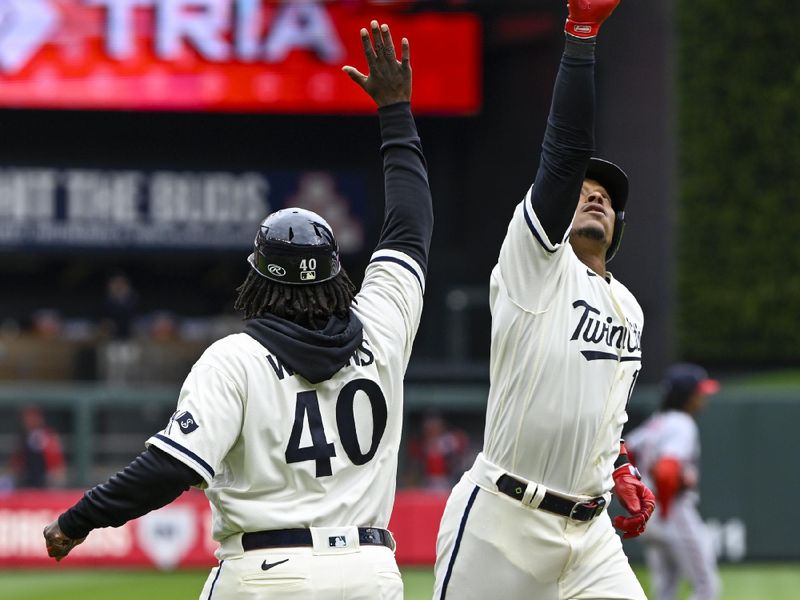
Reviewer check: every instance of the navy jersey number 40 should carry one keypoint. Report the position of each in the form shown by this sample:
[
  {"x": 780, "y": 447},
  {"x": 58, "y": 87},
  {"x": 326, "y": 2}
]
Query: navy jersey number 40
[{"x": 320, "y": 449}]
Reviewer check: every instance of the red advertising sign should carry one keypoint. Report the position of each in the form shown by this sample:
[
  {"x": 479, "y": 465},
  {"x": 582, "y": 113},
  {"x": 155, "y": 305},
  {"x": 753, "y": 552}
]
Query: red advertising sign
[
  {"x": 223, "y": 55},
  {"x": 178, "y": 535}
]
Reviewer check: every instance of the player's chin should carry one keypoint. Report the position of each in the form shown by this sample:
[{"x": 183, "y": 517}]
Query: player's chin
[{"x": 591, "y": 231}]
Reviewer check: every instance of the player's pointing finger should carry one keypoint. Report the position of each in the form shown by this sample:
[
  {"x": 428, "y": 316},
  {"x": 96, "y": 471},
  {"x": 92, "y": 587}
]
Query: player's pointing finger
[
  {"x": 368, "y": 51},
  {"x": 388, "y": 44},
  {"x": 377, "y": 38}
]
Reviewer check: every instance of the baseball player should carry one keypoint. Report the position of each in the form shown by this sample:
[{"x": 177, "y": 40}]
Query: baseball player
[
  {"x": 666, "y": 448},
  {"x": 528, "y": 519},
  {"x": 292, "y": 427}
]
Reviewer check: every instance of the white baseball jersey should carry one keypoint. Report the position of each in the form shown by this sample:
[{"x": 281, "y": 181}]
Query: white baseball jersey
[
  {"x": 672, "y": 433},
  {"x": 565, "y": 354},
  {"x": 277, "y": 452}
]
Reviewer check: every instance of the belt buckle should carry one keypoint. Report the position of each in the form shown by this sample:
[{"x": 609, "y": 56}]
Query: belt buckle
[{"x": 596, "y": 505}]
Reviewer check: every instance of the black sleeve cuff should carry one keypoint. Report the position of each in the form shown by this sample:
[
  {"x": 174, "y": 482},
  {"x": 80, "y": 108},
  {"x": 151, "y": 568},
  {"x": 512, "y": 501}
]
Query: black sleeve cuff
[
  {"x": 622, "y": 459},
  {"x": 579, "y": 48},
  {"x": 73, "y": 524}
]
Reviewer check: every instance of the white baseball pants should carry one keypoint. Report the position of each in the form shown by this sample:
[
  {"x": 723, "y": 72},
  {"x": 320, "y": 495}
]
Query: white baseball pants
[
  {"x": 363, "y": 573},
  {"x": 492, "y": 546}
]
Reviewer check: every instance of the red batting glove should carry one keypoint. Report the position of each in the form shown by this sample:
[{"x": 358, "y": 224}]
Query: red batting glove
[
  {"x": 586, "y": 16},
  {"x": 667, "y": 474},
  {"x": 635, "y": 498}
]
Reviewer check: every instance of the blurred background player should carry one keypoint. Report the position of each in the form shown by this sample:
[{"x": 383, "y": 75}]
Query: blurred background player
[
  {"x": 271, "y": 421},
  {"x": 666, "y": 448},
  {"x": 528, "y": 519},
  {"x": 38, "y": 461}
]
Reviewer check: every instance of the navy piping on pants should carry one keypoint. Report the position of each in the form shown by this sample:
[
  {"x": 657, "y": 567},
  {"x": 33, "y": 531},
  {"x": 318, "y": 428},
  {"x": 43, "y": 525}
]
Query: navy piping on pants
[
  {"x": 458, "y": 541},
  {"x": 213, "y": 583}
]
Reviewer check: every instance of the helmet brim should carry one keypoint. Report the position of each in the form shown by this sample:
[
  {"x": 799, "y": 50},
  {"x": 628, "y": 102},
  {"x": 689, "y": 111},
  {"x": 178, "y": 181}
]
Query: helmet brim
[{"x": 611, "y": 177}]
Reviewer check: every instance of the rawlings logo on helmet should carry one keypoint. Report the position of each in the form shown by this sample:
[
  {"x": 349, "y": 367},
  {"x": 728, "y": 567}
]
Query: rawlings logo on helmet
[{"x": 276, "y": 270}]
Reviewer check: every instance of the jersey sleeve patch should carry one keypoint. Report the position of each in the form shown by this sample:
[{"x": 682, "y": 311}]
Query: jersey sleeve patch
[
  {"x": 186, "y": 422},
  {"x": 536, "y": 227},
  {"x": 404, "y": 261}
]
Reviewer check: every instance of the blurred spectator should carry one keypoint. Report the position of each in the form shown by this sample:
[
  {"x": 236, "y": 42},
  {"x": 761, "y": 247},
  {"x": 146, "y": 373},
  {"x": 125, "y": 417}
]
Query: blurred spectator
[
  {"x": 120, "y": 307},
  {"x": 163, "y": 327},
  {"x": 38, "y": 461},
  {"x": 119, "y": 359},
  {"x": 46, "y": 323},
  {"x": 437, "y": 454}
]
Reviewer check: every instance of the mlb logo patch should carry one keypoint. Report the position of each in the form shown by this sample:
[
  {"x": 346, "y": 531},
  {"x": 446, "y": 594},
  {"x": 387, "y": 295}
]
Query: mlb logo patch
[
  {"x": 337, "y": 541},
  {"x": 187, "y": 422}
]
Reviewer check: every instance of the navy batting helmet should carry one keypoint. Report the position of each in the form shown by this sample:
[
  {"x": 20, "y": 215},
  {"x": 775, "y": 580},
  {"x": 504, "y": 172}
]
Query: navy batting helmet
[
  {"x": 614, "y": 179},
  {"x": 682, "y": 381},
  {"x": 297, "y": 247}
]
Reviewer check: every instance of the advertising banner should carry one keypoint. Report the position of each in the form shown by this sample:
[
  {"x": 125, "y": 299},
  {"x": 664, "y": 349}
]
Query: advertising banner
[
  {"x": 178, "y": 535},
  {"x": 131, "y": 209},
  {"x": 223, "y": 55}
]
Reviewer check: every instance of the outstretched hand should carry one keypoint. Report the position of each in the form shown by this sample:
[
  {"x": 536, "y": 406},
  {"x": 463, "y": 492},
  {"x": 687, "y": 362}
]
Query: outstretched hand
[
  {"x": 58, "y": 544},
  {"x": 389, "y": 79}
]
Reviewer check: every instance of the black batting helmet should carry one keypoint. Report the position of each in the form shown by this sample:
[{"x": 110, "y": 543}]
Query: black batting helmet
[
  {"x": 295, "y": 246},
  {"x": 614, "y": 179}
]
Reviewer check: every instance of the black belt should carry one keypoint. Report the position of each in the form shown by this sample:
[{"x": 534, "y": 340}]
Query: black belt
[
  {"x": 289, "y": 538},
  {"x": 580, "y": 511}
]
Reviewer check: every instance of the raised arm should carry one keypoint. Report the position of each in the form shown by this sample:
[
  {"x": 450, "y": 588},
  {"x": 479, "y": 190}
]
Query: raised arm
[
  {"x": 569, "y": 137},
  {"x": 408, "y": 220}
]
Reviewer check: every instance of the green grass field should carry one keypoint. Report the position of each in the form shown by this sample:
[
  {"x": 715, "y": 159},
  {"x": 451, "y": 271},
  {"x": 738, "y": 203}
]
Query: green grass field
[{"x": 742, "y": 582}]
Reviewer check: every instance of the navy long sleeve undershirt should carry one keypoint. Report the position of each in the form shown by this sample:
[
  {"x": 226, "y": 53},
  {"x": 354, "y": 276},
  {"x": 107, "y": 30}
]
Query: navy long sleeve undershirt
[
  {"x": 152, "y": 480},
  {"x": 568, "y": 140},
  {"x": 408, "y": 221}
]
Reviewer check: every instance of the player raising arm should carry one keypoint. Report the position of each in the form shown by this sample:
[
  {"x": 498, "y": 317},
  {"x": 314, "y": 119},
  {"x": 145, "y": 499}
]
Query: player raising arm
[
  {"x": 300, "y": 475},
  {"x": 528, "y": 519}
]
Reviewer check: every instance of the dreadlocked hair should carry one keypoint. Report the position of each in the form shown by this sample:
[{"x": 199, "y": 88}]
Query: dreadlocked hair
[{"x": 310, "y": 305}]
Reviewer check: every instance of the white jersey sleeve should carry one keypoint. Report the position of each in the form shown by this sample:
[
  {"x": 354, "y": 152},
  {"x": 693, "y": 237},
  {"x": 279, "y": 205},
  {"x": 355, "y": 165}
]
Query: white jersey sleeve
[
  {"x": 391, "y": 297},
  {"x": 208, "y": 419},
  {"x": 529, "y": 260}
]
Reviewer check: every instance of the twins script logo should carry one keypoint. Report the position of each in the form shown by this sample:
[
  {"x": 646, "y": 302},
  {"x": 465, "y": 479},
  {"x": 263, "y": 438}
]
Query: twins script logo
[
  {"x": 25, "y": 26},
  {"x": 608, "y": 339}
]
